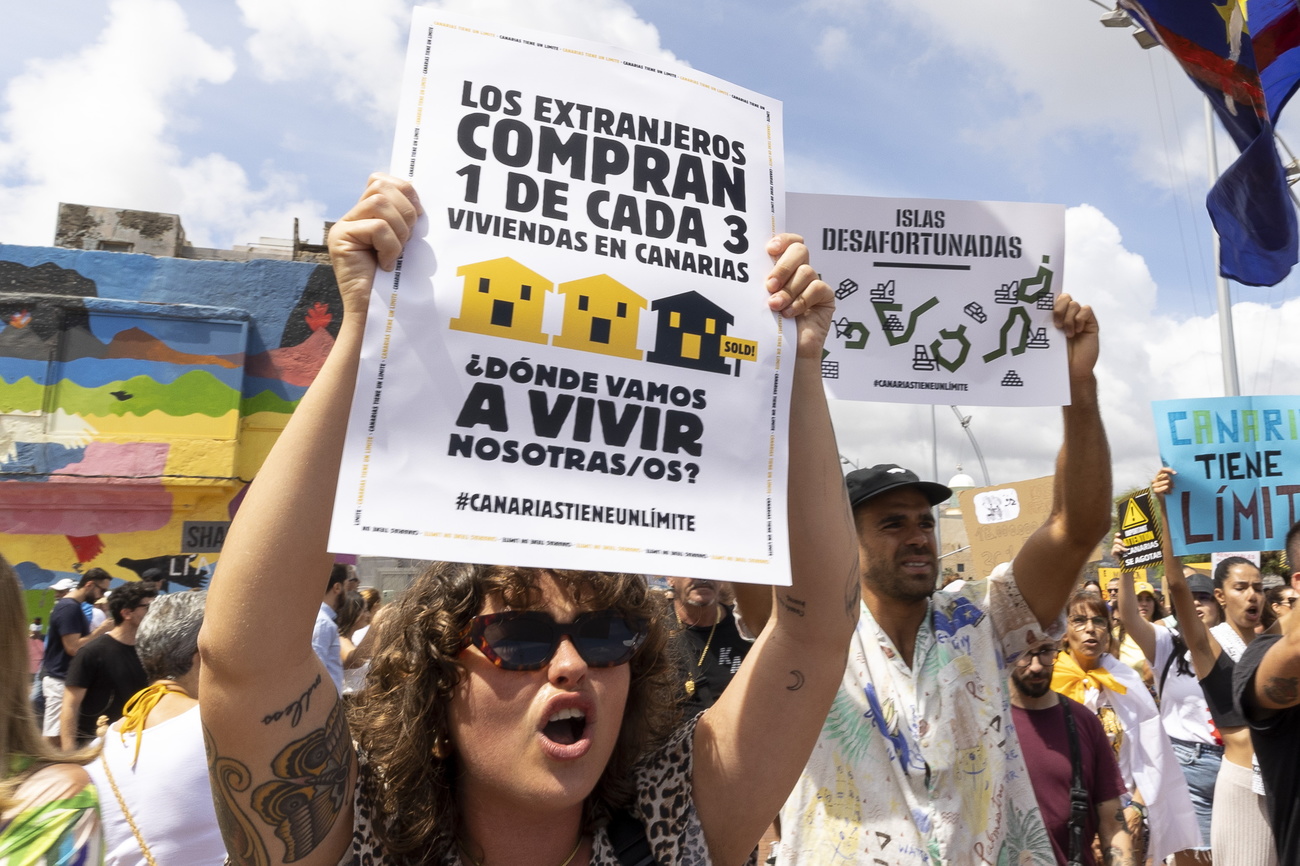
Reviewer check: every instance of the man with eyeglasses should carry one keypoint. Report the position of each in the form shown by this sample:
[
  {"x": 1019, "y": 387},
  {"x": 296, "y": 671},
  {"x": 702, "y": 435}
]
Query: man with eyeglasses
[
  {"x": 1040, "y": 722},
  {"x": 107, "y": 671}
]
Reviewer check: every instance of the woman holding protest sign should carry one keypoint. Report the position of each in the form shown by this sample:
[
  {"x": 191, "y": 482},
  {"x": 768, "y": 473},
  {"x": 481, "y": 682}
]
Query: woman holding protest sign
[
  {"x": 1183, "y": 710},
  {"x": 512, "y": 715},
  {"x": 1240, "y": 834}
]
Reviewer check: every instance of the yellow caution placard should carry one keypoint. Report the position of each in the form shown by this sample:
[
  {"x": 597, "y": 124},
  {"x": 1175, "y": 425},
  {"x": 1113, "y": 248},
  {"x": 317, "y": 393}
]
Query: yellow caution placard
[{"x": 1139, "y": 532}]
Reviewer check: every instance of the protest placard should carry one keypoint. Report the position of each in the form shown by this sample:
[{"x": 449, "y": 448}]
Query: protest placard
[
  {"x": 1139, "y": 532},
  {"x": 998, "y": 519},
  {"x": 1218, "y": 556},
  {"x": 573, "y": 365},
  {"x": 1236, "y": 458},
  {"x": 939, "y": 301}
]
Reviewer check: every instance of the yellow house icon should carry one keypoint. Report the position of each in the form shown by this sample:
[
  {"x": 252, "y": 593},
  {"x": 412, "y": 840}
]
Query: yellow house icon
[
  {"x": 502, "y": 298},
  {"x": 600, "y": 315}
]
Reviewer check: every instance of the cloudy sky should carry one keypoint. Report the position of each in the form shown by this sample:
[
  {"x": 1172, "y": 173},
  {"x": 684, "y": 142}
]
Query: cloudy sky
[{"x": 240, "y": 115}]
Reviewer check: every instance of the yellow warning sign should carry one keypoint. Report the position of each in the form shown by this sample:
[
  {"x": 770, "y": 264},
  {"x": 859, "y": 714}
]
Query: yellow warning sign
[
  {"x": 1138, "y": 532},
  {"x": 1133, "y": 516}
]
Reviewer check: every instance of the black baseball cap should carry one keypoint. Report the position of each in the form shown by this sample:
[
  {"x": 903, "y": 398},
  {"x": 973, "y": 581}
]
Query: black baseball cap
[
  {"x": 1200, "y": 583},
  {"x": 863, "y": 484}
]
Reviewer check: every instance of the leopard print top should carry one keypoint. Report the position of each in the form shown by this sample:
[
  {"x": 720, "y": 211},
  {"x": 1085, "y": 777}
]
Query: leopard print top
[{"x": 663, "y": 803}]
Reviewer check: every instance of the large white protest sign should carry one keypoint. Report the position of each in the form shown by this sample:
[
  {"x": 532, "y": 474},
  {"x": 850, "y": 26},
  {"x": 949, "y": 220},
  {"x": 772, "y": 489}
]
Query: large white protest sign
[
  {"x": 939, "y": 301},
  {"x": 574, "y": 365}
]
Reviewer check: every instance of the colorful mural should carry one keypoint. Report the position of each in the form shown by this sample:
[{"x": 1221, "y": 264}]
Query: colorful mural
[{"x": 138, "y": 399}]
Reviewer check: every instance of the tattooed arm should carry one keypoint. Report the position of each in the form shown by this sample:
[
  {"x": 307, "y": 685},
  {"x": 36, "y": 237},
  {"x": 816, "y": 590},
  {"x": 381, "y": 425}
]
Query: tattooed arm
[
  {"x": 752, "y": 744},
  {"x": 1276, "y": 682},
  {"x": 1113, "y": 834},
  {"x": 281, "y": 760}
]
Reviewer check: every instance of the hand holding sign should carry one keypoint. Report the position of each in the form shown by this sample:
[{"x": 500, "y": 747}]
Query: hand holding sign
[
  {"x": 372, "y": 234},
  {"x": 1081, "y": 331},
  {"x": 795, "y": 291}
]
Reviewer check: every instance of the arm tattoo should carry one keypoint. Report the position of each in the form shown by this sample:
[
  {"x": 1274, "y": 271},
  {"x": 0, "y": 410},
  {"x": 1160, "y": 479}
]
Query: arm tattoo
[
  {"x": 229, "y": 777},
  {"x": 1122, "y": 822},
  {"x": 1282, "y": 690},
  {"x": 792, "y": 605},
  {"x": 311, "y": 789},
  {"x": 798, "y": 681},
  {"x": 295, "y": 710}
]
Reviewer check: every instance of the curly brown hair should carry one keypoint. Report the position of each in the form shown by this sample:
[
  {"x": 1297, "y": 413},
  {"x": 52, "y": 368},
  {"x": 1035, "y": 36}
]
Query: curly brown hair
[{"x": 401, "y": 718}]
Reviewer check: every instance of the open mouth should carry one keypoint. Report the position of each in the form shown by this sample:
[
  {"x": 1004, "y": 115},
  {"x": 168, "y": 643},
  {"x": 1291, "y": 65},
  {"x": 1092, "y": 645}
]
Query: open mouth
[{"x": 565, "y": 727}]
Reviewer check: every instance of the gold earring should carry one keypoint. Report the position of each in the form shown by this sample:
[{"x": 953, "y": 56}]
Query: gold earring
[{"x": 441, "y": 748}]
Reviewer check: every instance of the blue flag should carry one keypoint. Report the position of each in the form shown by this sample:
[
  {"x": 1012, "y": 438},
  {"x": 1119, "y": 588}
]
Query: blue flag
[{"x": 1250, "y": 205}]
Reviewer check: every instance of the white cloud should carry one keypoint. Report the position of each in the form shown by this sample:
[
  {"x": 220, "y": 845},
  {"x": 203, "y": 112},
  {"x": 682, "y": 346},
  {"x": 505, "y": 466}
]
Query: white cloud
[
  {"x": 353, "y": 48},
  {"x": 356, "y": 48},
  {"x": 1051, "y": 69},
  {"x": 98, "y": 126},
  {"x": 833, "y": 48}
]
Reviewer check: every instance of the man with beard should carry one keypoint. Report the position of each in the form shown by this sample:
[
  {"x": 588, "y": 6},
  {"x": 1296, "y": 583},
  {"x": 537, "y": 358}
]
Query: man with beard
[
  {"x": 916, "y": 763},
  {"x": 1040, "y": 721},
  {"x": 69, "y": 632},
  {"x": 709, "y": 645}
]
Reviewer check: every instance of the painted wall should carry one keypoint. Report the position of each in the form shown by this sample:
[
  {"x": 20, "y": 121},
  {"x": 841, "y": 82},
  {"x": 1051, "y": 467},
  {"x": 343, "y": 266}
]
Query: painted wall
[{"x": 138, "y": 398}]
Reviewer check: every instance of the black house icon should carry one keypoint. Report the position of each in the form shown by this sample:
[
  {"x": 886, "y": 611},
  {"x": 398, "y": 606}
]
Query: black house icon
[{"x": 689, "y": 333}]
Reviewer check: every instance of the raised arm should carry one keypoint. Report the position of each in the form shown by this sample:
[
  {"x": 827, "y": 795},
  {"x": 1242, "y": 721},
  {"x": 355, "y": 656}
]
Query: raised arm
[
  {"x": 280, "y": 756},
  {"x": 1143, "y": 632},
  {"x": 1049, "y": 562},
  {"x": 752, "y": 744},
  {"x": 1203, "y": 646}
]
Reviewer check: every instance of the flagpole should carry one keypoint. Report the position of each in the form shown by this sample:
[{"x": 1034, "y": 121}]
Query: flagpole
[{"x": 1227, "y": 343}]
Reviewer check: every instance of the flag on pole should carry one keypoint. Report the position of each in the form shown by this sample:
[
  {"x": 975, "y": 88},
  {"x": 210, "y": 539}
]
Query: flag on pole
[
  {"x": 1245, "y": 56},
  {"x": 1275, "y": 38}
]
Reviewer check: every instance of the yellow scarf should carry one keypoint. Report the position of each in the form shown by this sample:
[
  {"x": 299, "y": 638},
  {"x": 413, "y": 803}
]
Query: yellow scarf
[
  {"x": 1073, "y": 681},
  {"x": 137, "y": 710}
]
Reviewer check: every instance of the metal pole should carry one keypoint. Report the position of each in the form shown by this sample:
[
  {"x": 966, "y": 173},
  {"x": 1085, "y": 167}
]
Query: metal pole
[
  {"x": 964, "y": 420},
  {"x": 1227, "y": 345}
]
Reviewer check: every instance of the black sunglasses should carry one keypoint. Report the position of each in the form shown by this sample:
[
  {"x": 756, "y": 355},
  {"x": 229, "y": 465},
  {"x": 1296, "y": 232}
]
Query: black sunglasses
[{"x": 525, "y": 640}]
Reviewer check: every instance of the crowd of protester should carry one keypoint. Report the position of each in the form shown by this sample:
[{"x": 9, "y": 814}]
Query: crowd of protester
[{"x": 496, "y": 714}]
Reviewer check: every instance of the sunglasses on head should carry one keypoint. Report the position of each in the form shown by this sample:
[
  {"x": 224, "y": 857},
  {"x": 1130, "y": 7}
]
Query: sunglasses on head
[{"x": 525, "y": 640}]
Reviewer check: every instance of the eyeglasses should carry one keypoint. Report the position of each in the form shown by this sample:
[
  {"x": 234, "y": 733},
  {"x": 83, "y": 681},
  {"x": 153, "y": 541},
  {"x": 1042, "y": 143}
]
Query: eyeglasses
[
  {"x": 1046, "y": 657},
  {"x": 1079, "y": 623},
  {"x": 1289, "y": 601},
  {"x": 525, "y": 640}
]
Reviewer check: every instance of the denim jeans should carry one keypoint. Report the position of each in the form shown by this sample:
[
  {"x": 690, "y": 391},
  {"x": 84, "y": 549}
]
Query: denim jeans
[{"x": 1200, "y": 765}]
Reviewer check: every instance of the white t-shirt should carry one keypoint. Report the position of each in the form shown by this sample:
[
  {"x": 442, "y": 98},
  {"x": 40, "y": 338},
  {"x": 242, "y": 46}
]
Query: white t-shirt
[
  {"x": 167, "y": 793},
  {"x": 1183, "y": 710}
]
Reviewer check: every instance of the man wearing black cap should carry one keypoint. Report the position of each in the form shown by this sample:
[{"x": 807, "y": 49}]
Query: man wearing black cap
[{"x": 917, "y": 762}]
